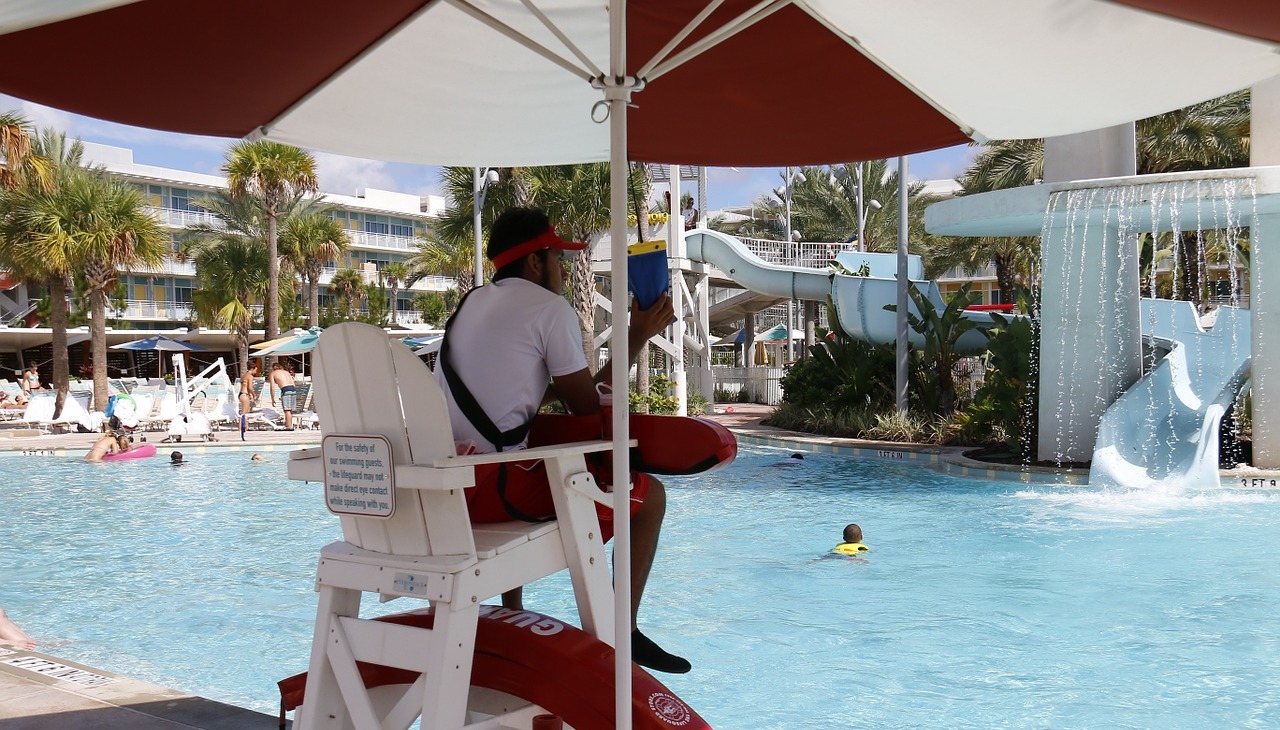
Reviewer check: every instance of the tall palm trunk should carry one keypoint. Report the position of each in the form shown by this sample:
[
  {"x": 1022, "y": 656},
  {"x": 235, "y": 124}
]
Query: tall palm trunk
[
  {"x": 582, "y": 279},
  {"x": 98, "y": 346},
  {"x": 242, "y": 347},
  {"x": 395, "y": 296},
  {"x": 313, "y": 296},
  {"x": 642, "y": 230},
  {"x": 273, "y": 277},
  {"x": 58, "y": 323}
]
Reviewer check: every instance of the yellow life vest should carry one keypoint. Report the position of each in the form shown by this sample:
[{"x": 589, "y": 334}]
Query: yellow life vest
[{"x": 850, "y": 548}]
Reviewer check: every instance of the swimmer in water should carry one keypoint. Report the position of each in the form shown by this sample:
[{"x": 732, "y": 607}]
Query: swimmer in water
[
  {"x": 256, "y": 457},
  {"x": 852, "y": 544},
  {"x": 175, "y": 458},
  {"x": 793, "y": 460}
]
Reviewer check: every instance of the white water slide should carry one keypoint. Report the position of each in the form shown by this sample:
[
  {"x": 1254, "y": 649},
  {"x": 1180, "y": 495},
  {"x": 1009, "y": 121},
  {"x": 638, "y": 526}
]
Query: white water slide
[
  {"x": 859, "y": 301},
  {"x": 1175, "y": 408},
  {"x": 1163, "y": 431}
]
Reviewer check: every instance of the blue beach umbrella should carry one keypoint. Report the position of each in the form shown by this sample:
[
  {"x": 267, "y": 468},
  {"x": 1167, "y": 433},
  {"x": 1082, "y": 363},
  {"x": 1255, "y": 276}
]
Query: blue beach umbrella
[
  {"x": 161, "y": 343},
  {"x": 295, "y": 344}
]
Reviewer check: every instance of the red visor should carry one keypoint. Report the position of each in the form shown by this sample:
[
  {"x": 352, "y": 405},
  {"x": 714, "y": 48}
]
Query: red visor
[{"x": 546, "y": 239}]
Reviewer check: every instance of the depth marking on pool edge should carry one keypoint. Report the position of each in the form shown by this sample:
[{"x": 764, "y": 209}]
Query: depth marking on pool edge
[{"x": 48, "y": 668}]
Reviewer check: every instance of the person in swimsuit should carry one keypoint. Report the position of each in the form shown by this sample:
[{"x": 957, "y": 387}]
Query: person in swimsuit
[
  {"x": 282, "y": 378},
  {"x": 12, "y": 635},
  {"x": 31, "y": 379},
  {"x": 246, "y": 389},
  {"x": 107, "y": 444}
]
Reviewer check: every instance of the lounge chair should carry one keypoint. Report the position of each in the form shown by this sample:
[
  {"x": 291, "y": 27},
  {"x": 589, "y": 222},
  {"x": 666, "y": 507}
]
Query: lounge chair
[{"x": 427, "y": 548}]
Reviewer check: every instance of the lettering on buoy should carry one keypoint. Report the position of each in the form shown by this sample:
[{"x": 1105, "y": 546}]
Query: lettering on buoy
[{"x": 670, "y": 708}]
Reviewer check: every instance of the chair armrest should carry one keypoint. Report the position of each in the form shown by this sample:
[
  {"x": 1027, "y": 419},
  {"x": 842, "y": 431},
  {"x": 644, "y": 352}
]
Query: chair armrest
[
  {"x": 309, "y": 467},
  {"x": 541, "y": 452}
]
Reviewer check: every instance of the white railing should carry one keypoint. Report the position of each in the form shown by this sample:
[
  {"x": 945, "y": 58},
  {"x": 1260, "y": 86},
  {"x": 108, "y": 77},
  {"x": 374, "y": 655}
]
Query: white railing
[
  {"x": 142, "y": 309},
  {"x": 176, "y": 218},
  {"x": 381, "y": 240},
  {"x": 804, "y": 253},
  {"x": 761, "y": 384}
]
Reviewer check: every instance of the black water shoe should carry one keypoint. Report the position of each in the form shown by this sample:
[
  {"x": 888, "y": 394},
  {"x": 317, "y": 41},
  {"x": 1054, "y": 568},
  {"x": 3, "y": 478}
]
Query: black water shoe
[{"x": 649, "y": 655}]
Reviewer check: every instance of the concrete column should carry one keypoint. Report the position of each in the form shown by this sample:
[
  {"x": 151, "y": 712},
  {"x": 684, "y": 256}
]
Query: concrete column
[
  {"x": 1090, "y": 341},
  {"x": 1264, "y": 266}
]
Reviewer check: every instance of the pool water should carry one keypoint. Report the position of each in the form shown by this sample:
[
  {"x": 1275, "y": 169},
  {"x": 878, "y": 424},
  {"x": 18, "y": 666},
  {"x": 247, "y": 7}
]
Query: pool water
[{"x": 980, "y": 604}]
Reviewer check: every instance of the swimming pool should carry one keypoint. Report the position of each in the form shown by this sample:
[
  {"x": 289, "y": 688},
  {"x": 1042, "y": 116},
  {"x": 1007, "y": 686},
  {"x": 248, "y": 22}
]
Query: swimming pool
[{"x": 981, "y": 604}]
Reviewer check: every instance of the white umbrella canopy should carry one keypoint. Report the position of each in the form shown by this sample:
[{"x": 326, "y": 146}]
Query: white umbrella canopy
[
  {"x": 525, "y": 82},
  {"x": 487, "y": 82}
]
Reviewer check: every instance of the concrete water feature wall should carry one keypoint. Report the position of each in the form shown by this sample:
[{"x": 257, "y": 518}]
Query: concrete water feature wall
[{"x": 1090, "y": 292}]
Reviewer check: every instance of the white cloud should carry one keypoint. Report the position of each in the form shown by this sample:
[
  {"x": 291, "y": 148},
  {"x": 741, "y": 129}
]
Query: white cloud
[{"x": 343, "y": 175}]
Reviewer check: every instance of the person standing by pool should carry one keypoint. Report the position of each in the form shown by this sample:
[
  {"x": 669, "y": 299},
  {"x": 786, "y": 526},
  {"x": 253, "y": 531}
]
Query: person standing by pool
[
  {"x": 282, "y": 378},
  {"x": 509, "y": 347},
  {"x": 246, "y": 396},
  {"x": 31, "y": 380},
  {"x": 12, "y": 635}
]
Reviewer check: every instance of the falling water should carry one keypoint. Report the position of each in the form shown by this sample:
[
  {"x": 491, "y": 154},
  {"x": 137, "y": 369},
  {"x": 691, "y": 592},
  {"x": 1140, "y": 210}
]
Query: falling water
[{"x": 1161, "y": 213}]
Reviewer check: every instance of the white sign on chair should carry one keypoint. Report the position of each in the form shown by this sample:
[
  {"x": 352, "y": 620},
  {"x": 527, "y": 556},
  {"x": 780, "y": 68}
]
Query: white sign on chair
[{"x": 358, "y": 475}]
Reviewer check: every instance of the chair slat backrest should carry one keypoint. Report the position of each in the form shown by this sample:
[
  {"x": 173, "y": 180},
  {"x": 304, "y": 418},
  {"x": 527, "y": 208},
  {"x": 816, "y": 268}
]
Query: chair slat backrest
[{"x": 362, "y": 386}]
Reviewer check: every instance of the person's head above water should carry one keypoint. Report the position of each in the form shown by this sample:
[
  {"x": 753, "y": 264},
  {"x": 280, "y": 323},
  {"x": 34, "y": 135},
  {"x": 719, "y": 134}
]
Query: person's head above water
[
  {"x": 175, "y": 457},
  {"x": 852, "y": 533},
  {"x": 796, "y": 455}
]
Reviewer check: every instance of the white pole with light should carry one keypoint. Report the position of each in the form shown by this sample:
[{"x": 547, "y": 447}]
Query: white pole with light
[
  {"x": 902, "y": 344},
  {"x": 675, "y": 255},
  {"x": 617, "y": 92},
  {"x": 789, "y": 179},
  {"x": 483, "y": 179}
]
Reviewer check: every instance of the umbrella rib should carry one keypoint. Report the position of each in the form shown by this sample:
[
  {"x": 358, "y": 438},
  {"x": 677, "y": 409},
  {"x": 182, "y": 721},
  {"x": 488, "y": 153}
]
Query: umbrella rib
[
  {"x": 660, "y": 56},
  {"x": 555, "y": 30},
  {"x": 761, "y": 11},
  {"x": 522, "y": 39},
  {"x": 968, "y": 129}
]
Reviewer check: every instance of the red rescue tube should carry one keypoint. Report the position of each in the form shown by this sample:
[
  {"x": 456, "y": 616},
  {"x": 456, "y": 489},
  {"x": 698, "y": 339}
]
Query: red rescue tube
[
  {"x": 667, "y": 444},
  {"x": 140, "y": 451},
  {"x": 544, "y": 661}
]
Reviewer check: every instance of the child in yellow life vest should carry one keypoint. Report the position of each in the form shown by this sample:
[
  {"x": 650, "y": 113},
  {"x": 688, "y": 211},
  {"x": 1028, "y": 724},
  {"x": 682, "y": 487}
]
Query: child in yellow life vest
[{"x": 852, "y": 544}]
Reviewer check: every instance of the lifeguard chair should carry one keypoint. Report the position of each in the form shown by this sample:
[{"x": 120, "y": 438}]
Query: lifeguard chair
[{"x": 390, "y": 472}]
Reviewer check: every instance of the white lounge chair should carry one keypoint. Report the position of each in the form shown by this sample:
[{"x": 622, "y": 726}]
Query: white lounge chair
[{"x": 427, "y": 547}]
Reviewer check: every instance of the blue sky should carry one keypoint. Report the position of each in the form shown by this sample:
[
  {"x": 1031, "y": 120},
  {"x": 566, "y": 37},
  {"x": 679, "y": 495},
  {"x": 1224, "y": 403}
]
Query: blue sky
[{"x": 348, "y": 175}]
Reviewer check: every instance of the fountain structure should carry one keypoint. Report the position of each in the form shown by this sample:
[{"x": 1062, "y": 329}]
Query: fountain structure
[{"x": 1092, "y": 321}]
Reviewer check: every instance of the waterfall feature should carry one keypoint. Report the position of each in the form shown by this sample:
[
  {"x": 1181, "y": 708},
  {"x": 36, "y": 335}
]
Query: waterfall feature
[{"x": 1106, "y": 244}]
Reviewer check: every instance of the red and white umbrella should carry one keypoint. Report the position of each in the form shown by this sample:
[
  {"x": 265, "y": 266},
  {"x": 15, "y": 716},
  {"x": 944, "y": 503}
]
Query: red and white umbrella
[
  {"x": 713, "y": 82},
  {"x": 772, "y": 82}
]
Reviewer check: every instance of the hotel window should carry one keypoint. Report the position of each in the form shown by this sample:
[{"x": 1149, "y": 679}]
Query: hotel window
[
  {"x": 180, "y": 199},
  {"x": 182, "y": 289},
  {"x": 376, "y": 224},
  {"x": 402, "y": 227},
  {"x": 155, "y": 194}
]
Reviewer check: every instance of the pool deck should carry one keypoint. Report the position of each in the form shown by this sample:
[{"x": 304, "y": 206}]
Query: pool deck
[{"x": 44, "y": 692}]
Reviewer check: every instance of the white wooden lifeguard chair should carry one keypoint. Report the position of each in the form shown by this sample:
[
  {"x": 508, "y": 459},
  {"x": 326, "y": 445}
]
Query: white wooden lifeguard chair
[{"x": 389, "y": 471}]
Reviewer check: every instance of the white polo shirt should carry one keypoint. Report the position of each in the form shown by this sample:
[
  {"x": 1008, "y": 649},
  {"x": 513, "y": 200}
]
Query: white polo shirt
[{"x": 508, "y": 341}]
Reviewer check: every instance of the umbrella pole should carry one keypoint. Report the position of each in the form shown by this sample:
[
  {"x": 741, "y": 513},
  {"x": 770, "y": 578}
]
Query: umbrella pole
[{"x": 617, "y": 90}]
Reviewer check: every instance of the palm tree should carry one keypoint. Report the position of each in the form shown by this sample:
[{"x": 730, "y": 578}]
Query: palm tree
[
  {"x": 231, "y": 266},
  {"x": 312, "y": 241},
  {"x": 395, "y": 274},
  {"x": 232, "y": 272},
  {"x": 576, "y": 199},
  {"x": 272, "y": 173},
  {"x": 349, "y": 284},
  {"x": 28, "y": 179},
  {"x": 824, "y": 205},
  {"x": 111, "y": 228}
]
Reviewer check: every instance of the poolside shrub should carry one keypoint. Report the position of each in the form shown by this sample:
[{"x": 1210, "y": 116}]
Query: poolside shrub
[
  {"x": 1005, "y": 407},
  {"x": 661, "y": 399},
  {"x": 842, "y": 374}
]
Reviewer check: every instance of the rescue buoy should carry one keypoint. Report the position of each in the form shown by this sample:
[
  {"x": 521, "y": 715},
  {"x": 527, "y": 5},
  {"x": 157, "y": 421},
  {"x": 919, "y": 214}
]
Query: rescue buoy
[
  {"x": 542, "y": 660},
  {"x": 674, "y": 445},
  {"x": 141, "y": 451}
]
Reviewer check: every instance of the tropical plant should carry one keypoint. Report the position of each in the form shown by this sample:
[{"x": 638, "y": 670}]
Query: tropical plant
[
  {"x": 394, "y": 274},
  {"x": 349, "y": 285},
  {"x": 1005, "y": 407},
  {"x": 273, "y": 174},
  {"x": 842, "y": 374},
  {"x": 231, "y": 267},
  {"x": 34, "y": 250},
  {"x": 448, "y": 248},
  {"x": 941, "y": 331},
  {"x": 376, "y": 299},
  {"x": 431, "y": 306},
  {"x": 312, "y": 240},
  {"x": 111, "y": 228},
  {"x": 824, "y": 205}
]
